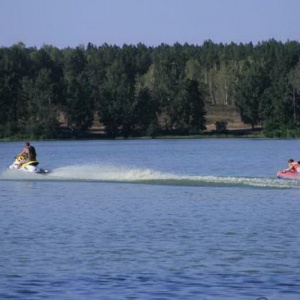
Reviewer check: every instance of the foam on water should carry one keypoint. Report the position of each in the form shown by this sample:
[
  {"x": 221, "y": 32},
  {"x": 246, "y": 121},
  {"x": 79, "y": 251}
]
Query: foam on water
[
  {"x": 107, "y": 173},
  {"x": 113, "y": 173}
]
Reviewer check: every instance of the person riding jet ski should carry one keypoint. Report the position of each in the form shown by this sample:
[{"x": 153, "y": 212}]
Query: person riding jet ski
[
  {"x": 294, "y": 167},
  {"x": 29, "y": 153}
]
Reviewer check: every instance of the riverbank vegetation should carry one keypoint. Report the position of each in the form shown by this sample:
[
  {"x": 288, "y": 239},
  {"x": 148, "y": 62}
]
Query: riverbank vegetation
[{"x": 135, "y": 90}]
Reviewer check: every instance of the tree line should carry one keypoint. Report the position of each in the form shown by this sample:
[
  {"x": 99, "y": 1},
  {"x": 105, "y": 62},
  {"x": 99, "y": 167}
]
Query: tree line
[{"x": 135, "y": 90}]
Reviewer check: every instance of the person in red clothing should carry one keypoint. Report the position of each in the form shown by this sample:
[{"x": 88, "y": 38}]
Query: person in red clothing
[{"x": 293, "y": 166}]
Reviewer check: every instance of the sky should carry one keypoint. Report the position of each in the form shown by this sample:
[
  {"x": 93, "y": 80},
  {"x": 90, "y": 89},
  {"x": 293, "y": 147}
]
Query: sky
[{"x": 72, "y": 23}]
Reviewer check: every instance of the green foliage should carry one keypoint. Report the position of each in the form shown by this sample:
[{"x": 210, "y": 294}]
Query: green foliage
[
  {"x": 277, "y": 130},
  {"x": 221, "y": 126},
  {"x": 145, "y": 112},
  {"x": 139, "y": 90},
  {"x": 249, "y": 93}
]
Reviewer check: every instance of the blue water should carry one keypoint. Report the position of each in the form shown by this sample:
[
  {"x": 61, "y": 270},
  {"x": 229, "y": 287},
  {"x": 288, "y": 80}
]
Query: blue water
[{"x": 151, "y": 219}]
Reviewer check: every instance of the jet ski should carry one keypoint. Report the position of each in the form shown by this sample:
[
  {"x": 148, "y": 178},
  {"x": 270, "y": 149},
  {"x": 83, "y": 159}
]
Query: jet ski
[
  {"x": 288, "y": 175},
  {"x": 29, "y": 166}
]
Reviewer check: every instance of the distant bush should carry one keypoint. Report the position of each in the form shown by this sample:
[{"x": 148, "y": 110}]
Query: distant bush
[{"x": 221, "y": 126}]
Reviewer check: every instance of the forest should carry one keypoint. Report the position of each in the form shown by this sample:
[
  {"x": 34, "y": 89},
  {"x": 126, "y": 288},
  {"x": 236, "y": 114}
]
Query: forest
[{"x": 137, "y": 90}]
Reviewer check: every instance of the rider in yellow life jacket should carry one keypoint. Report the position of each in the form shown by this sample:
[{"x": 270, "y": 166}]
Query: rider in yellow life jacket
[{"x": 29, "y": 153}]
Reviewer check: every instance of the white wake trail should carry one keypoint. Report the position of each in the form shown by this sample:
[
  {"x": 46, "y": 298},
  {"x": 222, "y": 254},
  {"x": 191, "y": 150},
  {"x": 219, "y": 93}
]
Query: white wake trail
[{"x": 117, "y": 173}]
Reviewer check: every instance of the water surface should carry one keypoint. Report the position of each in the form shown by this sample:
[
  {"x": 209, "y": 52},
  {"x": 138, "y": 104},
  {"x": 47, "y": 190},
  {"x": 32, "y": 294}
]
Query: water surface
[{"x": 151, "y": 219}]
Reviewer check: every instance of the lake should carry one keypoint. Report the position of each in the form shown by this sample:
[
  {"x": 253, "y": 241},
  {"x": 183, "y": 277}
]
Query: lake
[{"x": 151, "y": 219}]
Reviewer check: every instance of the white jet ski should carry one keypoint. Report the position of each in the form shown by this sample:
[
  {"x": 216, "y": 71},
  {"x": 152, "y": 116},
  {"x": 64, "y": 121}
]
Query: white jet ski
[{"x": 30, "y": 166}]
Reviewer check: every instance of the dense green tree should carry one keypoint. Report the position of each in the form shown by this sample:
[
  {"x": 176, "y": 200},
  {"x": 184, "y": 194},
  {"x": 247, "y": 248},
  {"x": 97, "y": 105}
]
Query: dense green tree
[
  {"x": 79, "y": 104},
  {"x": 249, "y": 93},
  {"x": 40, "y": 118},
  {"x": 145, "y": 112},
  {"x": 190, "y": 108},
  {"x": 294, "y": 91},
  {"x": 116, "y": 107},
  {"x": 138, "y": 90}
]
